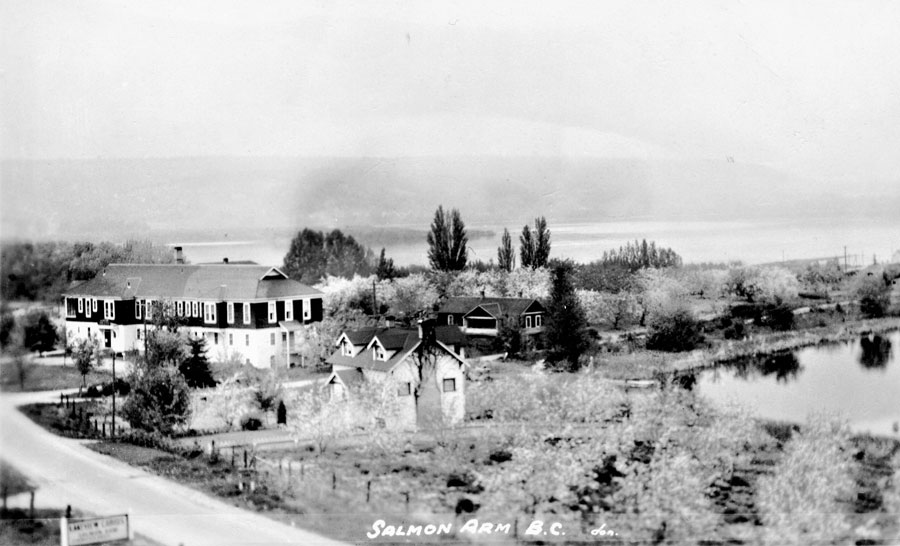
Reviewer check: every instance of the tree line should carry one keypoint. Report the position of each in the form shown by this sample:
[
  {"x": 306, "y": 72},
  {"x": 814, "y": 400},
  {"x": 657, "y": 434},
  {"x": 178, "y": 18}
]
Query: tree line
[{"x": 43, "y": 271}]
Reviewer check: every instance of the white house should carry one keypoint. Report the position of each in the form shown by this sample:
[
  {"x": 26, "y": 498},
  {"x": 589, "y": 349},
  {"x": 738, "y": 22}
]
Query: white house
[{"x": 427, "y": 365}]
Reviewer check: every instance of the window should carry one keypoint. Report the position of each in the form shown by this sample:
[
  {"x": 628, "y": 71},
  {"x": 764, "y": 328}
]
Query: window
[
  {"x": 209, "y": 313},
  {"x": 449, "y": 385},
  {"x": 215, "y": 338},
  {"x": 288, "y": 310},
  {"x": 148, "y": 309},
  {"x": 94, "y": 305},
  {"x": 231, "y": 339},
  {"x": 405, "y": 389},
  {"x": 537, "y": 321},
  {"x": 195, "y": 308},
  {"x": 307, "y": 309},
  {"x": 139, "y": 334},
  {"x": 87, "y": 308},
  {"x": 272, "y": 338},
  {"x": 450, "y": 320},
  {"x": 528, "y": 321},
  {"x": 109, "y": 309},
  {"x": 81, "y": 305},
  {"x": 247, "y": 340},
  {"x": 379, "y": 352},
  {"x": 70, "y": 307},
  {"x": 137, "y": 308},
  {"x": 247, "y": 314},
  {"x": 180, "y": 308},
  {"x": 230, "y": 312},
  {"x": 272, "y": 315},
  {"x": 346, "y": 348}
]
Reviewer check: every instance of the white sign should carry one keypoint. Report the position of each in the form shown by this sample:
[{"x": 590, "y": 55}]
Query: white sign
[{"x": 95, "y": 530}]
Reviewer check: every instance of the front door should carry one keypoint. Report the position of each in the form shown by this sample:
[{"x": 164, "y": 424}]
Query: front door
[{"x": 107, "y": 339}]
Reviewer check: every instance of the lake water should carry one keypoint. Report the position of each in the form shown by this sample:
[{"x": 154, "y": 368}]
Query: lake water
[
  {"x": 696, "y": 241},
  {"x": 860, "y": 380}
]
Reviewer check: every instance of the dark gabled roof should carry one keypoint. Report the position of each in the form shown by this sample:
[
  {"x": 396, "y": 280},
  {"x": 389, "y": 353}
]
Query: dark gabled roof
[
  {"x": 504, "y": 306},
  {"x": 216, "y": 282},
  {"x": 449, "y": 335},
  {"x": 347, "y": 377},
  {"x": 403, "y": 341},
  {"x": 395, "y": 338},
  {"x": 362, "y": 336}
]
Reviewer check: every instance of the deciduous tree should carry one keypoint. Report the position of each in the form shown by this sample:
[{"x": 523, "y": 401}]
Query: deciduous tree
[
  {"x": 506, "y": 257},
  {"x": 86, "y": 354},
  {"x": 447, "y": 241},
  {"x": 159, "y": 401}
]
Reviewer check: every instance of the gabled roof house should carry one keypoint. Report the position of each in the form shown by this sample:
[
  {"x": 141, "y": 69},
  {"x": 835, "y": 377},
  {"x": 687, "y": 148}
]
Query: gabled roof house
[
  {"x": 430, "y": 394},
  {"x": 484, "y": 316}
]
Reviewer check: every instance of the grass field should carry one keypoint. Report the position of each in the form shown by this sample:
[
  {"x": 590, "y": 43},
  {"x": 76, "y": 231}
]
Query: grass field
[{"x": 46, "y": 377}]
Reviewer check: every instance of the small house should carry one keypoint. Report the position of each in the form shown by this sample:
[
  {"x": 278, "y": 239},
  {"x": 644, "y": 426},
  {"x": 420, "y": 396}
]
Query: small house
[
  {"x": 426, "y": 363},
  {"x": 485, "y": 316}
]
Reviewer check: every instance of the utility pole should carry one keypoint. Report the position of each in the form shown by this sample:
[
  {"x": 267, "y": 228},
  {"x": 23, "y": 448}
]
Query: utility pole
[{"x": 113, "y": 434}]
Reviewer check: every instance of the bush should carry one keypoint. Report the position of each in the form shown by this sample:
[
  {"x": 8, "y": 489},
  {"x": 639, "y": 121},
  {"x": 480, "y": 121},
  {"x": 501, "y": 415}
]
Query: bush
[
  {"x": 873, "y": 291},
  {"x": 160, "y": 401},
  {"x": 674, "y": 331},
  {"x": 142, "y": 438},
  {"x": 251, "y": 422},
  {"x": 734, "y": 331},
  {"x": 777, "y": 317}
]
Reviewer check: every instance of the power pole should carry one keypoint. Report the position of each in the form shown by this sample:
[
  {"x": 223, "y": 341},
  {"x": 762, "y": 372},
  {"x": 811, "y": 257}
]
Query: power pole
[{"x": 113, "y": 434}]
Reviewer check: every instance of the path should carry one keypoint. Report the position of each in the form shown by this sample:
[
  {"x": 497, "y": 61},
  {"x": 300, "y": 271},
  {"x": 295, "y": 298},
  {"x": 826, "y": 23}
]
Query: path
[{"x": 67, "y": 472}]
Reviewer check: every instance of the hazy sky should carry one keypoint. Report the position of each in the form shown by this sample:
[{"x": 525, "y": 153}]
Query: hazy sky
[{"x": 812, "y": 88}]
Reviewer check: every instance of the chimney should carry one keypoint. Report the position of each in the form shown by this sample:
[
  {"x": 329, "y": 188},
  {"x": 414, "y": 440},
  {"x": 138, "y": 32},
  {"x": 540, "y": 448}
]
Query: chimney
[
  {"x": 225, "y": 260},
  {"x": 179, "y": 257},
  {"x": 426, "y": 328},
  {"x": 482, "y": 292}
]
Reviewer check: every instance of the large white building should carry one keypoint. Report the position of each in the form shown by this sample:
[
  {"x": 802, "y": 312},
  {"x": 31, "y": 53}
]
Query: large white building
[{"x": 248, "y": 312}]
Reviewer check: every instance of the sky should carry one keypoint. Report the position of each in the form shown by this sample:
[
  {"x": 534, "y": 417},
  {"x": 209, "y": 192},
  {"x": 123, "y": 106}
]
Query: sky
[{"x": 808, "y": 88}]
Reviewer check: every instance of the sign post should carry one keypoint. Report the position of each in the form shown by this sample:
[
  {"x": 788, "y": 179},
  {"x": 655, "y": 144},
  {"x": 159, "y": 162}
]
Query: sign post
[{"x": 74, "y": 532}]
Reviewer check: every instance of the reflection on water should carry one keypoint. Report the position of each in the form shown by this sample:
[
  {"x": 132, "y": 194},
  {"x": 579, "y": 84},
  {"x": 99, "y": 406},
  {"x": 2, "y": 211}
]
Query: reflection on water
[
  {"x": 859, "y": 380},
  {"x": 785, "y": 367},
  {"x": 876, "y": 352}
]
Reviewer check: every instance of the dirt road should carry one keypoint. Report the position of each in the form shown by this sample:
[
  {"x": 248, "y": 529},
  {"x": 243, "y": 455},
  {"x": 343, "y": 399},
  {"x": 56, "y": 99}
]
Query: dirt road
[{"x": 67, "y": 473}]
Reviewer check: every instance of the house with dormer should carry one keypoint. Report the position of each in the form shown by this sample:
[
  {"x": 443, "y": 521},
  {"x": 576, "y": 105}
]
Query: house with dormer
[
  {"x": 426, "y": 364},
  {"x": 245, "y": 311},
  {"x": 485, "y": 316}
]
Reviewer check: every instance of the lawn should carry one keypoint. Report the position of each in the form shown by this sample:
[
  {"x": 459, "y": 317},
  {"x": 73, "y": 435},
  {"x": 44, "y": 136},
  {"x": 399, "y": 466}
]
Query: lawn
[{"x": 46, "y": 377}]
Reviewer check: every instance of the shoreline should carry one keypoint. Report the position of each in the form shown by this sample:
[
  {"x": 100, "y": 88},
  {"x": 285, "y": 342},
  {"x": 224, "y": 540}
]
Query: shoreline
[{"x": 762, "y": 345}]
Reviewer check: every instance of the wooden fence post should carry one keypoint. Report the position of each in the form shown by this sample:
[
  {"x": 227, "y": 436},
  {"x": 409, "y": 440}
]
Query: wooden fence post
[{"x": 368, "y": 491}]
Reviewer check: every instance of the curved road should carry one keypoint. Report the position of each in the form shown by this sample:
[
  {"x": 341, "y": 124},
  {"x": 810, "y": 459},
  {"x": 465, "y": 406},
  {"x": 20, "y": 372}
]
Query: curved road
[{"x": 66, "y": 472}]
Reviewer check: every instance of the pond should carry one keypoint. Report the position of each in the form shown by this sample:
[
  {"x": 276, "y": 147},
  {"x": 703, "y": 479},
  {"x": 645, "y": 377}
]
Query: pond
[{"x": 860, "y": 380}]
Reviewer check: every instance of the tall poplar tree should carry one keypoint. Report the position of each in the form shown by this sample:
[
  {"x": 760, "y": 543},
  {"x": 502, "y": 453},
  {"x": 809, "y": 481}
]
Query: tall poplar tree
[
  {"x": 506, "y": 258},
  {"x": 535, "y": 244},
  {"x": 447, "y": 241}
]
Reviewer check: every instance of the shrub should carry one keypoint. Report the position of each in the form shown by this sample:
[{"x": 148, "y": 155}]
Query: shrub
[
  {"x": 674, "y": 330},
  {"x": 251, "y": 422},
  {"x": 777, "y": 317},
  {"x": 873, "y": 292},
  {"x": 160, "y": 401}
]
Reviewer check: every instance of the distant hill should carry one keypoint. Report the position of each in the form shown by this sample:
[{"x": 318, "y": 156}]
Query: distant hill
[{"x": 118, "y": 198}]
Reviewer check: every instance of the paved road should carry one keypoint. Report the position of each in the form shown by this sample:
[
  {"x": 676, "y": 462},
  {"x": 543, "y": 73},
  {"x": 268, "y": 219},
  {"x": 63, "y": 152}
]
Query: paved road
[{"x": 66, "y": 472}]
